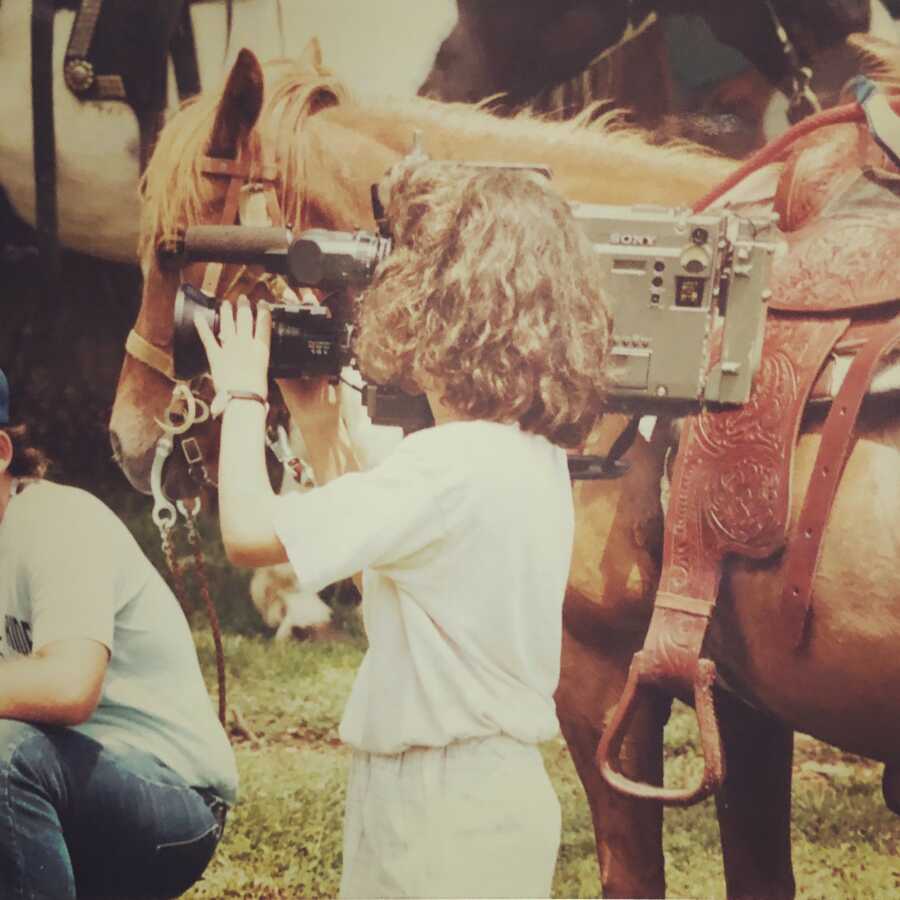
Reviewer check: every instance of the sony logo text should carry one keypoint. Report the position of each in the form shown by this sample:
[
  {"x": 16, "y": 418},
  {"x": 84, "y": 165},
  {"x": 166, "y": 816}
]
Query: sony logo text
[{"x": 632, "y": 240}]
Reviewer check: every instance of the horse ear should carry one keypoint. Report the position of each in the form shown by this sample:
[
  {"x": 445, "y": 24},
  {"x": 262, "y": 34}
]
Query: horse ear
[
  {"x": 239, "y": 107},
  {"x": 311, "y": 57}
]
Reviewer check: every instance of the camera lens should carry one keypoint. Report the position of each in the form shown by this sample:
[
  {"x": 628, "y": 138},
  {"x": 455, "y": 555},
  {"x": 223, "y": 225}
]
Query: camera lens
[{"x": 305, "y": 341}]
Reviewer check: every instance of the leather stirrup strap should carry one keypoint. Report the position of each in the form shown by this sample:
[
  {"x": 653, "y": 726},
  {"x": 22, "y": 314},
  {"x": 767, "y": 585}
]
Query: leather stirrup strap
[
  {"x": 729, "y": 495},
  {"x": 837, "y": 438},
  {"x": 183, "y": 50},
  {"x": 47, "y": 223}
]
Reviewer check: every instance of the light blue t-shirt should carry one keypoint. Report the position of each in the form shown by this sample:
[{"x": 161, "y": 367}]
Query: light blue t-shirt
[{"x": 69, "y": 568}]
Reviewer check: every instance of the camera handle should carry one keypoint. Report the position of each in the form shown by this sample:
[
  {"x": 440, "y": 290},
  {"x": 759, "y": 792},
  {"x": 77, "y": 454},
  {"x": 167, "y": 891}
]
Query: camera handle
[{"x": 596, "y": 468}]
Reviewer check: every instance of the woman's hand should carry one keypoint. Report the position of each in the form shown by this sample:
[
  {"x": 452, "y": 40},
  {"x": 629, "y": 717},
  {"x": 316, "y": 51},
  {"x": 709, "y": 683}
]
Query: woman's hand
[{"x": 239, "y": 358}]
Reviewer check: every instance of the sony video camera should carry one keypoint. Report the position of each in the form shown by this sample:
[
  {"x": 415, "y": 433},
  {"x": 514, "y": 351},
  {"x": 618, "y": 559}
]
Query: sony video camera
[
  {"x": 687, "y": 292},
  {"x": 307, "y": 339},
  {"x": 674, "y": 278}
]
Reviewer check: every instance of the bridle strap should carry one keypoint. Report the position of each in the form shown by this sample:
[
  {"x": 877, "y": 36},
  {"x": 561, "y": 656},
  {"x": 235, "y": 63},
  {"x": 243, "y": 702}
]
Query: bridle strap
[
  {"x": 213, "y": 273},
  {"x": 150, "y": 355},
  {"x": 238, "y": 172}
]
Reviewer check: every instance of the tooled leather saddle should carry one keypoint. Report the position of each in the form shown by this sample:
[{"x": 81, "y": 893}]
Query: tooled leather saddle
[{"x": 836, "y": 289}]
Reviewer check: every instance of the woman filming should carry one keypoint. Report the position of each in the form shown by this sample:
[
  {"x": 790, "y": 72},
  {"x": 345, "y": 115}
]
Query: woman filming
[{"x": 490, "y": 305}]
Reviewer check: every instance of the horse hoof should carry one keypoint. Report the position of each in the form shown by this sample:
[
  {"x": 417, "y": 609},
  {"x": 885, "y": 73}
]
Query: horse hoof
[{"x": 890, "y": 786}]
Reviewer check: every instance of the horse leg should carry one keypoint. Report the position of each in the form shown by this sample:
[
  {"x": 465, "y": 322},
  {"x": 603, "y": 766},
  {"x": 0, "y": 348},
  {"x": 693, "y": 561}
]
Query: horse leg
[
  {"x": 754, "y": 804},
  {"x": 628, "y": 832},
  {"x": 890, "y": 786}
]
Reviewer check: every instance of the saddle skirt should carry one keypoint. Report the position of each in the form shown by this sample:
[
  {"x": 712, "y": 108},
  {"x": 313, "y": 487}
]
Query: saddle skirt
[{"x": 836, "y": 286}]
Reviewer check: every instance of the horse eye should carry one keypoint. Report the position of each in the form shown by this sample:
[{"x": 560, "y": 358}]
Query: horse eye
[{"x": 169, "y": 252}]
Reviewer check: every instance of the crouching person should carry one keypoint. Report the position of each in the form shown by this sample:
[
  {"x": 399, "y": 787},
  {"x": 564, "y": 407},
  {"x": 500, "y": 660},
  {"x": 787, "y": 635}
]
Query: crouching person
[
  {"x": 115, "y": 774},
  {"x": 489, "y": 304}
]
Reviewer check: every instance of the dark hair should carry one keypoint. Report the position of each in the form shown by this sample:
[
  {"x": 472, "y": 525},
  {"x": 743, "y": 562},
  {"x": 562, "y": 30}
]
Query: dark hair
[{"x": 27, "y": 460}]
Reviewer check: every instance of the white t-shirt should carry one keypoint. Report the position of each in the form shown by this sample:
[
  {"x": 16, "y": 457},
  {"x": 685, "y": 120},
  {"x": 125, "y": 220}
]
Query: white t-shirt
[
  {"x": 464, "y": 536},
  {"x": 69, "y": 568}
]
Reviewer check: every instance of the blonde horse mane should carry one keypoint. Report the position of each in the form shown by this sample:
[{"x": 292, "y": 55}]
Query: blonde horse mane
[
  {"x": 880, "y": 59},
  {"x": 175, "y": 191},
  {"x": 623, "y": 166}
]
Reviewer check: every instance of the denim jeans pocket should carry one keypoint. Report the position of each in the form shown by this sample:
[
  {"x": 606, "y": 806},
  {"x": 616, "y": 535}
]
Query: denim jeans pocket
[{"x": 178, "y": 865}]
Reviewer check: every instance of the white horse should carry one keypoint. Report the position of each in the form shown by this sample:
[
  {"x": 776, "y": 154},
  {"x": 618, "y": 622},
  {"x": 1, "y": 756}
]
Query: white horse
[
  {"x": 97, "y": 146},
  {"x": 97, "y": 141}
]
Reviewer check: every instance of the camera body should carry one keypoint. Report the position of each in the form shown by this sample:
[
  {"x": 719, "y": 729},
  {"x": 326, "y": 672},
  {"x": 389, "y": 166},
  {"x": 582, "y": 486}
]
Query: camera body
[
  {"x": 674, "y": 279},
  {"x": 307, "y": 339}
]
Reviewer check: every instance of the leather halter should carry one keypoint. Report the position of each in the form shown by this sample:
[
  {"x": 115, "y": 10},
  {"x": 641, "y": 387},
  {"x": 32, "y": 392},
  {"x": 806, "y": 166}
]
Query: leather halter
[
  {"x": 238, "y": 172},
  {"x": 802, "y": 101}
]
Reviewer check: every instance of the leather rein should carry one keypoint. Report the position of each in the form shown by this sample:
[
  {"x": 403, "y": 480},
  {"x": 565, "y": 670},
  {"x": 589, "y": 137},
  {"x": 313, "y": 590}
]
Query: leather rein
[{"x": 188, "y": 406}]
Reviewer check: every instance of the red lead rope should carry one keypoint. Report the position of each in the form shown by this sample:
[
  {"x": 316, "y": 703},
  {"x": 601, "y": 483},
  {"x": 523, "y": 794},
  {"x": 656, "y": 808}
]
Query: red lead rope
[{"x": 775, "y": 151}]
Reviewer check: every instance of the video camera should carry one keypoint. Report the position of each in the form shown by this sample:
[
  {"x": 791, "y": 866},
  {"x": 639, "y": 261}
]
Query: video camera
[
  {"x": 309, "y": 339},
  {"x": 674, "y": 279}
]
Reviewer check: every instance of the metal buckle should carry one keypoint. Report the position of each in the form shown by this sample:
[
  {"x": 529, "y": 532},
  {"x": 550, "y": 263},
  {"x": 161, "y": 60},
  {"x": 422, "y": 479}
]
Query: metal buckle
[{"x": 191, "y": 450}]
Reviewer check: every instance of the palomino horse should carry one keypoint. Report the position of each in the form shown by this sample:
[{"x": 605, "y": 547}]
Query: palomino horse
[{"x": 295, "y": 130}]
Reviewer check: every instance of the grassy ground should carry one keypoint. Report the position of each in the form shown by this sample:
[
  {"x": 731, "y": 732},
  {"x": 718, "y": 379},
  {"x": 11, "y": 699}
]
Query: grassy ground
[{"x": 283, "y": 839}]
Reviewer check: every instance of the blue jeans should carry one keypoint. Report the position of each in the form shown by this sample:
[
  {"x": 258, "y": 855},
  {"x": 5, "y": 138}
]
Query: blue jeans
[{"x": 79, "y": 820}]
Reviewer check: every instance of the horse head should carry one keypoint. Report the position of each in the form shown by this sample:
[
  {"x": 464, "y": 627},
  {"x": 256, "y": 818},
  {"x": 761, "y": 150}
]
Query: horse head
[
  {"x": 310, "y": 156},
  {"x": 246, "y": 154}
]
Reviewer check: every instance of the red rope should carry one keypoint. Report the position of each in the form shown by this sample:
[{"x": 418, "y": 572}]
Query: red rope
[{"x": 774, "y": 151}]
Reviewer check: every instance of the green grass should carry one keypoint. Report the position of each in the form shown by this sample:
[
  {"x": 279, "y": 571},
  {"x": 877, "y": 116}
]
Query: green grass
[{"x": 283, "y": 839}]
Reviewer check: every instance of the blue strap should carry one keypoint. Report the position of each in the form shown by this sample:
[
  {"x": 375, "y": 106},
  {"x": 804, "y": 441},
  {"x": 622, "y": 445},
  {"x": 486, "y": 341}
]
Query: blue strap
[{"x": 883, "y": 122}]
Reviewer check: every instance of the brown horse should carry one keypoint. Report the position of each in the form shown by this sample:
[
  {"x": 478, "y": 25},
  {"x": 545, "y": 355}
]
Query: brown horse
[
  {"x": 326, "y": 151},
  {"x": 693, "y": 68}
]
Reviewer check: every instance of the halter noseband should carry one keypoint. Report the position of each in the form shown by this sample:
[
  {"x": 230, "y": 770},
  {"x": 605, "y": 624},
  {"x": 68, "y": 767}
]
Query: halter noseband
[{"x": 191, "y": 408}]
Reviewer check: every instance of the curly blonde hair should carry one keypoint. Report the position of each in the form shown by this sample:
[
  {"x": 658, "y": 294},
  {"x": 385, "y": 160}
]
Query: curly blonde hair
[{"x": 493, "y": 290}]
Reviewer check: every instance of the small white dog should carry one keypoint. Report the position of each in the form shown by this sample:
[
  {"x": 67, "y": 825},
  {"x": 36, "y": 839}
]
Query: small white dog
[{"x": 285, "y": 607}]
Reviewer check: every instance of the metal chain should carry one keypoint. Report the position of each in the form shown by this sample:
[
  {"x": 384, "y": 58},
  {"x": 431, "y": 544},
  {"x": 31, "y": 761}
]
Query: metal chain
[
  {"x": 168, "y": 547},
  {"x": 175, "y": 567},
  {"x": 803, "y": 101},
  {"x": 203, "y": 584}
]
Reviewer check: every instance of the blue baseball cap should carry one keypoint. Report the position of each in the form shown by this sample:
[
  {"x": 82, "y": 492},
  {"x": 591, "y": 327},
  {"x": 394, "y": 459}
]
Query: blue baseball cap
[{"x": 4, "y": 399}]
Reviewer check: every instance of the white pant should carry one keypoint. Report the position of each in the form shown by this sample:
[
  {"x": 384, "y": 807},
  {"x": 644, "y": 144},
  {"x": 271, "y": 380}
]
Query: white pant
[{"x": 478, "y": 818}]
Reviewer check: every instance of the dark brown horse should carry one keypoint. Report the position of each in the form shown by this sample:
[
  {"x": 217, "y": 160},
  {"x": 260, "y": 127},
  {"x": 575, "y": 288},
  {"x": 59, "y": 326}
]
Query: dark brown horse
[
  {"x": 695, "y": 68},
  {"x": 295, "y": 124}
]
